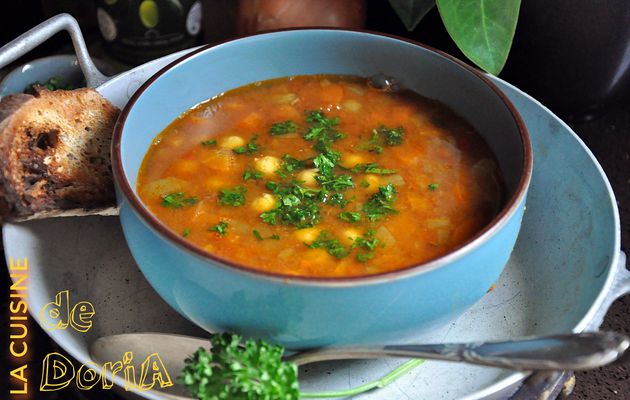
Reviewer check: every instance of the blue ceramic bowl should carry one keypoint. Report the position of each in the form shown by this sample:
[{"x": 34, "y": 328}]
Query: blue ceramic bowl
[{"x": 219, "y": 295}]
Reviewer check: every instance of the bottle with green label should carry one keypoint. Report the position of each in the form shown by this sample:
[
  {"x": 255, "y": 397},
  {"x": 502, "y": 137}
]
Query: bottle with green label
[{"x": 136, "y": 31}]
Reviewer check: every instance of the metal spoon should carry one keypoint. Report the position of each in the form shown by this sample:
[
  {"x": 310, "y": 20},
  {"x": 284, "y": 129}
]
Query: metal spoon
[{"x": 557, "y": 352}]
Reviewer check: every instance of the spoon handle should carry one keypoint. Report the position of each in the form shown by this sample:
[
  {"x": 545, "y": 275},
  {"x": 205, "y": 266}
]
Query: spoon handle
[{"x": 557, "y": 352}]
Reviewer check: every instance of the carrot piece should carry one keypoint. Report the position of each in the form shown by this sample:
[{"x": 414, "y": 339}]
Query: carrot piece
[
  {"x": 331, "y": 94},
  {"x": 253, "y": 120},
  {"x": 184, "y": 167},
  {"x": 286, "y": 112}
]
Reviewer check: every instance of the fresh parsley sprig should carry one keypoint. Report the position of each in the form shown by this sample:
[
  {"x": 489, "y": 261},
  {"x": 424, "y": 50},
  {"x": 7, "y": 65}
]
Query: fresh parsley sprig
[
  {"x": 254, "y": 370},
  {"x": 240, "y": 371}
]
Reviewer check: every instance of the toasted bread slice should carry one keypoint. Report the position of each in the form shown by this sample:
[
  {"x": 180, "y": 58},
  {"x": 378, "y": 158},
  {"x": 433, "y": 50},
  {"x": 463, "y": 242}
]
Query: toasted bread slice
[{"x": 54, "y": 154}]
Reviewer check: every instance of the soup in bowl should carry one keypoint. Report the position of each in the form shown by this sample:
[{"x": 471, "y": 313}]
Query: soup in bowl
[{"x": 280, "y": 194}]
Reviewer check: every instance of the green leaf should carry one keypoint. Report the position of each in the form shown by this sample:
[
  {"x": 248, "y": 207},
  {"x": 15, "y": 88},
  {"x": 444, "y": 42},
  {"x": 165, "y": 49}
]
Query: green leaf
[
  {"x": 482, "y": 29},
  {"x": 411, "y": 12}
]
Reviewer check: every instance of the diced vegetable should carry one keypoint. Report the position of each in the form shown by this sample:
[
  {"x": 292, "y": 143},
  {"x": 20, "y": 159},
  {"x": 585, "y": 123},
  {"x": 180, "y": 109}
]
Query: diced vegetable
[
  {"x": 442, "y": 222},
  {"x": 352, "y": 105},
  {"x": 164, "y": 186},
  {"x": 385, "y": 236}
]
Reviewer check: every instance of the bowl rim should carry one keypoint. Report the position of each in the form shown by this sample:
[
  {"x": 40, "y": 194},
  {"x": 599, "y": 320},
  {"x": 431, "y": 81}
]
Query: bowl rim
[
  {"x": 146, "y": 216},
  {"x": 69, "y": 61}
]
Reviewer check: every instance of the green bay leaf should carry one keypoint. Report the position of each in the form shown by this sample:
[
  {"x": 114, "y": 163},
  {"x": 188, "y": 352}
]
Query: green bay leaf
[{"x": 482, "y": 29}]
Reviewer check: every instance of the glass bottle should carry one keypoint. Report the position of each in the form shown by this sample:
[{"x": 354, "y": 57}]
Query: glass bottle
[{"x": 136, "y": 31}]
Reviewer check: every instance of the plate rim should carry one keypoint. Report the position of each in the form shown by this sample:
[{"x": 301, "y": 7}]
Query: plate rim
[{"x": 493, "y": 389}]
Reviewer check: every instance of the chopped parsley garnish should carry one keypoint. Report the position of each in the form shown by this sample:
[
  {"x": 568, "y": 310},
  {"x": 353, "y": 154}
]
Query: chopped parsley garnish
[
  {"x": 372, "y": 168},
  {"x": 282, "y": 128},
  {"x": 250, "y": 148},
  {"x": 232, "y": 197},
  {"x": 392, "y": 136},
  {"x": 366, "y": 242},
  {"x": 289, "y": 166},
  {"x": 337, "y": 183},
  {"x": 327, "y": 242},
  {"x": 350, "y": 216},
  {"x": 252, "y": 174},
  {"x": 336, "y": 199},
  {"x": 374, "y": 144},
  {"x": 186, "y": 232},
  {"x": 297, "y": 205},
  {"x": 178, "y": 200},
  {"x": 322, "y": 130},
  {"x": 365, "y": 257},
  {"x": 301, "y": 215},
  {"x": 211, "y": 142},
  {"x": 384, "y": 136},
  {"x": 260, "y": 238},
  {"x": 433, "y": 186},
  {"x": 220, "y": 228},
  {"x": 380, "y": 203},
  {"x": 325, "y": 162}
]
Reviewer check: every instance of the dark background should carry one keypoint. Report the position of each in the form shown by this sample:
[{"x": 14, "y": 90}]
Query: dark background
[{"x": 605, "y": 128}]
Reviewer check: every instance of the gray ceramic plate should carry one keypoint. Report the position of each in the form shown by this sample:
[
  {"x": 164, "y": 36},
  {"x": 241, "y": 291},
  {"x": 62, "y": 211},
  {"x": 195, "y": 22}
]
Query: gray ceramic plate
[{"x": 565, "y": 270}]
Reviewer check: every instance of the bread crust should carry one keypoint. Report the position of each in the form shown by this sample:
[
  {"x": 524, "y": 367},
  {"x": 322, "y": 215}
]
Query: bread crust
[{"x": 55, "y": 154}]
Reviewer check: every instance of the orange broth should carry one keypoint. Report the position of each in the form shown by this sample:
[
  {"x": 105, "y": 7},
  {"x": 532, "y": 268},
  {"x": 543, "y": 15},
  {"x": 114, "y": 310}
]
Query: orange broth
[{"x": 321, "y": 176}]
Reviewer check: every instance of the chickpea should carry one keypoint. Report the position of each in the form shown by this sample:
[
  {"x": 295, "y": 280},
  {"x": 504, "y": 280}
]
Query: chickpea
[
  {"x": 351, "y": 160},
  {"x": 374, "y": 182},
  {"x": 231, "y": 142},
  {"x": 308, "y": 177},
  {"x": 267, "y": 164},
  {"x": 348, "y": 236},
  {"x": 307, "y": 235},
  {"x": 264, "y": 202}
]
